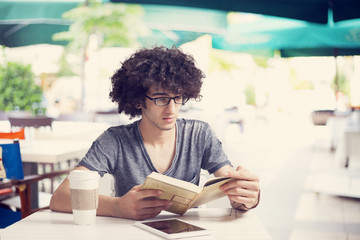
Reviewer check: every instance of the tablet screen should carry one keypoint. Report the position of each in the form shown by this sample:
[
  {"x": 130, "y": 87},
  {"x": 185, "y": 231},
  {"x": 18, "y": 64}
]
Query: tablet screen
[{"x": 173, "y": 226}]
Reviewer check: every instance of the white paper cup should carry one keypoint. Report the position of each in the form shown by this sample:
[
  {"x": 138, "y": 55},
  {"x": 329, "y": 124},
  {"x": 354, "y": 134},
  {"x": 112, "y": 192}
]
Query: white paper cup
[{"x": 84, "y": 195}]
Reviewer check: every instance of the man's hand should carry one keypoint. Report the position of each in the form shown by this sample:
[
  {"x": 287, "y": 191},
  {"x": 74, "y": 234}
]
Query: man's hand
[
  {"x": 244, "y": 189},
  {"x": 140, "y": 204}
]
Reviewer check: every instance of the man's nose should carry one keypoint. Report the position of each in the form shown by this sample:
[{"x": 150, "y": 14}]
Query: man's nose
[{"x": 171, "y": 106}]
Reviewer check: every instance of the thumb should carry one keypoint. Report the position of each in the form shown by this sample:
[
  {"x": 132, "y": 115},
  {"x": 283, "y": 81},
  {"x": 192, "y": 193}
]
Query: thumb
[
  {"x": 240, "y": 173},
  {"x": 137, "y": 188}
]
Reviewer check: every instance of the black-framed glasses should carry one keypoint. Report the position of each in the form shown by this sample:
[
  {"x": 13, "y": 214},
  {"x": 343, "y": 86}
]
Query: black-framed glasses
[{"x": 163, "y": 101}]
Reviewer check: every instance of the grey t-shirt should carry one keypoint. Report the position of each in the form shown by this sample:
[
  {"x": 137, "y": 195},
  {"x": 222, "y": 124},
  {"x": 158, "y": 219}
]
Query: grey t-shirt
[{"x": 121, "y": 152}]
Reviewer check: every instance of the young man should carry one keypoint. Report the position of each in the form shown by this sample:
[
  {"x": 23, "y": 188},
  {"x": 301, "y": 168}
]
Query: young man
[{"x": 154, "y": 84}]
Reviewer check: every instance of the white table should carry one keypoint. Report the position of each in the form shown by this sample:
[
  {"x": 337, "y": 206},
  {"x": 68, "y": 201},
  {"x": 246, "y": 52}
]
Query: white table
[
  {"x": 225, "y": 224},
  {"x": 348, "y": 146},
  {"x": 344, "y": 178},
  {"x": 67, "y": 141},
  {"x": 52, "y": 151},
  {"x": 337, "y": 126}
]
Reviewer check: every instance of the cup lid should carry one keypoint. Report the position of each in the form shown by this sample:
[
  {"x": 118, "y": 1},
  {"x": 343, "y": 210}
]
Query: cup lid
[{"x": 83, "y": 174}]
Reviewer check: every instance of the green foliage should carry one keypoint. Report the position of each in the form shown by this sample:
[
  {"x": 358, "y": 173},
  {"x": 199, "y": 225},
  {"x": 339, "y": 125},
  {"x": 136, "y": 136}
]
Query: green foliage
[
  {"x": 250, "y": 95},
  {"x": 299, "y": 84},
  {"x": 261, "y": 61},
  {"x": 222, "y": 61},
  {"x": 64, "y": 68},
  {"x": 17, "y": 87},
  {"x": 341, "y": 84},
  {"x": 115, "y": 24}
]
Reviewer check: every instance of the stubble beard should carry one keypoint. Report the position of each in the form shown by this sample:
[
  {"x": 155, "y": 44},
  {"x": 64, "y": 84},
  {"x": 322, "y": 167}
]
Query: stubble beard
[{"x": 165, "y": 128}]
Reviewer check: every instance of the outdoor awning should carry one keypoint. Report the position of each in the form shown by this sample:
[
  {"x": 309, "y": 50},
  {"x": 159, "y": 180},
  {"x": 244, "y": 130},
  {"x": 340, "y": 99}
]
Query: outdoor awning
[
  {"x": 292, "y": 37},
  {"x": 318, "y": 11},
  {"x": 28, "y": 22},
  {"x": 32, "y": 22},
  {"x": 177, "y": 25}
]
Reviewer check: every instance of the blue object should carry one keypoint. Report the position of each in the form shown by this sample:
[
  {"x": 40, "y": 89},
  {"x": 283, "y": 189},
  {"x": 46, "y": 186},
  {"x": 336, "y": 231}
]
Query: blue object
[
  {"x": 12, "y": 162},
  {"x": 8, "y": 217}
]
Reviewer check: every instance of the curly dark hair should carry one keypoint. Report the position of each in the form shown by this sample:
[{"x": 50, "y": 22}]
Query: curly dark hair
[{"x": 168, "y": 68}]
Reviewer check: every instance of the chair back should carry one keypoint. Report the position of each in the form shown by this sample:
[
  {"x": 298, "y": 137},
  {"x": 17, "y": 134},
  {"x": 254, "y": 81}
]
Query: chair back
[
  {"x": 35, "y": 122},
  {"x": 13, "y": 135},
  {"x": 10, "y": 161},
  {"x": 3, "y": 115},
  {"x": 112, "y": 117},
  {"x": 320, "y": 117},
  {"x": 77, "y": 116},
  {"x": 11, "y": 168}
]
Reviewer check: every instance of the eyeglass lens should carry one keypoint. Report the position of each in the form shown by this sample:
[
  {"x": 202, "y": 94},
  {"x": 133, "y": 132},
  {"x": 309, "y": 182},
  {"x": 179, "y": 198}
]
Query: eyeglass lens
[{"x": 166, "y": 100}]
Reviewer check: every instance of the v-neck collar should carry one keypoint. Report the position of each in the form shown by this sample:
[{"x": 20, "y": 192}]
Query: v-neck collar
[{"x": 146, "y": 154}]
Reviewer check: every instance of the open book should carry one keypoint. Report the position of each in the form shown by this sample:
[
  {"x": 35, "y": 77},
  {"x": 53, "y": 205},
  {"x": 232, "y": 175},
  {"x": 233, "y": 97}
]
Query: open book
[{"x": 185, "y": 195}]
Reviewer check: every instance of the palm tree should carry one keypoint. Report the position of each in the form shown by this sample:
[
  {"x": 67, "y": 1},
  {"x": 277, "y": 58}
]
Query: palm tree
[{"x": 113, "y": 24}]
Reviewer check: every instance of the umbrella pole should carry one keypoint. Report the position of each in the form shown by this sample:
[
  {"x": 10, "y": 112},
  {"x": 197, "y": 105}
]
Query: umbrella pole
[
  {"x": 82, "y": 96},
  {"x": 83, "y": 75},
  {"x": 336, "y": 53},
  {"x": 355, "y": 85}
]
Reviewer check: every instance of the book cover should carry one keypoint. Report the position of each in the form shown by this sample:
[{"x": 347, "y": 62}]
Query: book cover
[{"x": 185, "y": 195}]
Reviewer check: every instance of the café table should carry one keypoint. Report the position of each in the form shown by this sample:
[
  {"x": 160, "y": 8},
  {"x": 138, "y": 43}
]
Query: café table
[
  {"x": 68, "y": 140},
  {"x": 51, "y": 152},
  {"x": 343, "y": 179},
  {"x": 225, "y": 223},
  {"x": 348, "y": 146}
]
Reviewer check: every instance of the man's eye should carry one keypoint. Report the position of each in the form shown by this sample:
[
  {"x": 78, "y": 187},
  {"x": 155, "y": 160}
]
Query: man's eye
[
  {"x": 178, "y": 98},
  {"x": 162, "y": 100}
]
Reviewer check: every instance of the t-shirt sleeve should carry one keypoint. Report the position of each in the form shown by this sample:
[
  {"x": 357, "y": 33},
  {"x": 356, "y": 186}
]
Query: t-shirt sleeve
[
  {"x": 214, "y": 156},
  {"x": 102, "y": 154}
]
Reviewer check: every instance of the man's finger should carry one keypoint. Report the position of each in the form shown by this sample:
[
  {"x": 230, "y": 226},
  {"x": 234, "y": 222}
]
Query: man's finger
[
  {"x": 250, "y": 185},
  {"x": 149, "y": 193},
  {"x": 239, "y": 168},
  {"x": 154, "y": 203},
  {"x": 137, "y": 188},
  {"x": 242, "y": 174},
  {"x": 241, "y": 193}
]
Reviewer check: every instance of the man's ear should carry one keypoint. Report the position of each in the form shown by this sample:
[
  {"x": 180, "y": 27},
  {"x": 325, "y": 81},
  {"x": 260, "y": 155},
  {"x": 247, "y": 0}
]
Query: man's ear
[{"x": 138, "y": 105}]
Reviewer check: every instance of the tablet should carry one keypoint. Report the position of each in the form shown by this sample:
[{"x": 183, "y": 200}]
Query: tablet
[{"x": 173, "y": 228}]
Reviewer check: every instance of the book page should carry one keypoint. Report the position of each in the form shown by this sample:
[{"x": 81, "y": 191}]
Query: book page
[
  {"x": 215, "y": 180},
  {"x": 175, "y": 182},
  {"x": 211, "y": 191},
  {"x": 182, "y": 198}
]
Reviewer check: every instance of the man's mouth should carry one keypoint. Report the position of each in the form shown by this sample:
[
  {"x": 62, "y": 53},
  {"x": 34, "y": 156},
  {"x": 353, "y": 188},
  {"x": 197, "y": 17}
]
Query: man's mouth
[{"x": 169, "y": 119}]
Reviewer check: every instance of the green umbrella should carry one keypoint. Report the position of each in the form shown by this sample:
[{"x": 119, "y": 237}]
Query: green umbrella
[
  {"x": 28, "y": 22},
  {"x": 342, "y": 39},
  {"x": 292, "y": 37},
  {"x": 308, "y": 10},
  {"x": 32, "y": 22},
  {"x": 178, "y": 25}
]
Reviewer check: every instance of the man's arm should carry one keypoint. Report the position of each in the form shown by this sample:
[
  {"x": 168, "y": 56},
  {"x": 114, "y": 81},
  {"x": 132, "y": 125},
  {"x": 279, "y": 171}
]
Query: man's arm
[
  {"x": 60, "y": 200},
  {"x": 135, "y": 204},
  {"x": 244, "y": 192}
]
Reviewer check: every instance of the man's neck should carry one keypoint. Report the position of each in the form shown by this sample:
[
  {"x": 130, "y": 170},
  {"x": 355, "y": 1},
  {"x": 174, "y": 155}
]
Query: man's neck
[{"x": 155, "y": 136}]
